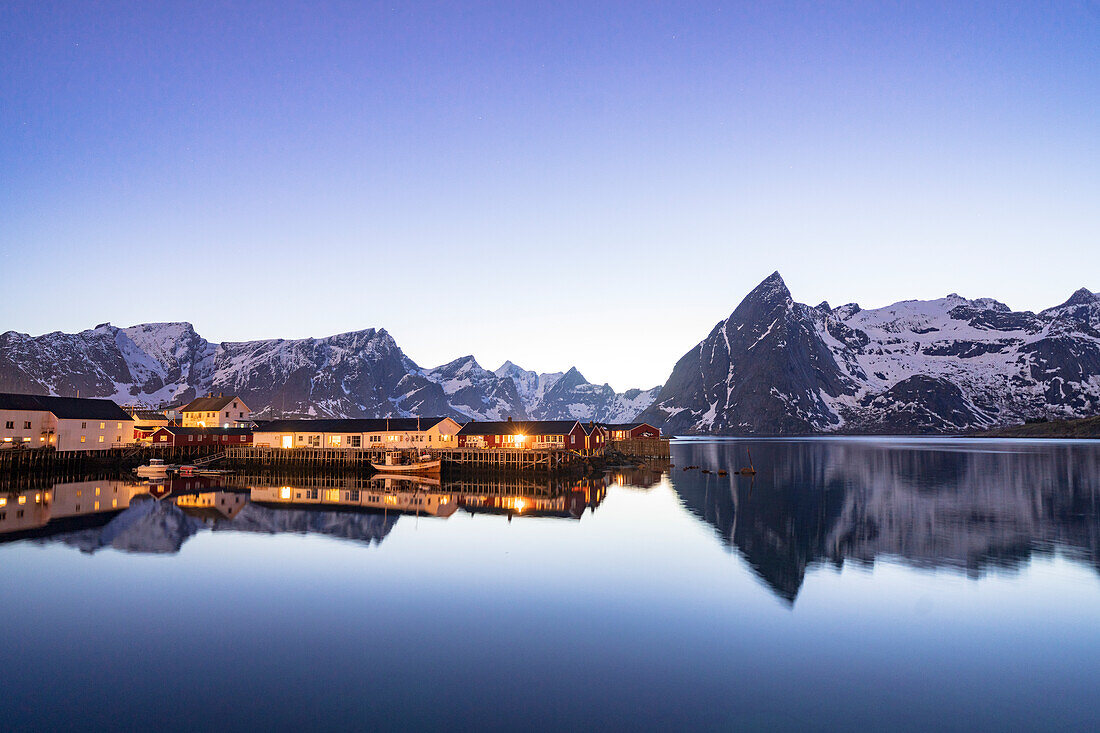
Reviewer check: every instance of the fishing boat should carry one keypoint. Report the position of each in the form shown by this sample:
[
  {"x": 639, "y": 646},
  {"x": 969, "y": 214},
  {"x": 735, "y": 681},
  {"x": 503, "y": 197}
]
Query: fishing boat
[
  {"x": 155, "y": 467},
  {"x": 404, "y": 462}
]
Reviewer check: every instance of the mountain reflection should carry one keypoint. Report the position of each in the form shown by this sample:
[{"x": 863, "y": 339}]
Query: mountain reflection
[
  {"x": 966, "y": 505},
  {"x": 160, "y": 516}
]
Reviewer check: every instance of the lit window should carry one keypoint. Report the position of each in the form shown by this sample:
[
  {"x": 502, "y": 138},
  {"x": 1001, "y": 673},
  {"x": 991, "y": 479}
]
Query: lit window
[
  {"x": 22, "y": 500},
  {"x": 101, "y": 439},
  {"x": 83, "y": 439},
  {"x": 103, "y": 426}
]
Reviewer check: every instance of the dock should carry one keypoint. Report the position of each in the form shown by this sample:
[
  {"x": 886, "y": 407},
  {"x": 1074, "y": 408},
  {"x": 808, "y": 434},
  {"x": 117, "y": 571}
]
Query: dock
[{"x": 513, "y": 459}]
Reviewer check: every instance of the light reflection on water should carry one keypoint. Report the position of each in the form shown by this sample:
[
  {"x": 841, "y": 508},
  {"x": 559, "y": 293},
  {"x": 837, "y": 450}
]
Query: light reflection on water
[{"x": 869, "y": 582}]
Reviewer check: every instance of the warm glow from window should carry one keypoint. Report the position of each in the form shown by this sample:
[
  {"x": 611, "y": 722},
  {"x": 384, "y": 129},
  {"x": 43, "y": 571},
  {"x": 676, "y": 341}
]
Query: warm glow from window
[
  {"x": 22, "y": 500},
  {"x": 3, "y": 502},
  {"x": 518, "y": 504},
  {"x": 284, "y": 493}
]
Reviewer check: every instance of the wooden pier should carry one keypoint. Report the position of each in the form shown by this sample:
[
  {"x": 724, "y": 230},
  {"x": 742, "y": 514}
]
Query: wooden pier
[
  {"x": 34, "y": 460},
  {"x": 642, "y": 447},
  {"x": 517, "y": 459}
]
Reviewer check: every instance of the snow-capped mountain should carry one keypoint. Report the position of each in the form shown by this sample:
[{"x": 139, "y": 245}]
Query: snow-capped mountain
[
  {"x": 358, "y": 374},
  {"x": 780, "y": 367}
]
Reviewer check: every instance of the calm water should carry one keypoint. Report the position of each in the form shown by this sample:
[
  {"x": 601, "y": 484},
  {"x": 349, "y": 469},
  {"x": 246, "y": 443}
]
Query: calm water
[{"x": 885, "y": 584}]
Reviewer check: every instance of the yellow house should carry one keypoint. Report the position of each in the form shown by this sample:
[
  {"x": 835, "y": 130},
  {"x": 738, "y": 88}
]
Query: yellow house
[{"x": 220, "y": 411}]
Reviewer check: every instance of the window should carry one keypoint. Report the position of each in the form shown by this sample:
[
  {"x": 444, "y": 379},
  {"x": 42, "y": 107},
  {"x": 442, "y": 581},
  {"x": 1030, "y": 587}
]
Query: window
[
  {"x": 163, "y": 439},
  {"x": 27, "y": 425},
  {"x": 83, "y": 439},
  {"x": 190, "y": 438},
  {"x": 103, "y": 426},
  {"x": 572, "y": 438},
  {"x": 120, "y": 426},
  {"x": 118, "y": 438},
  {"x": 83, "y": 425},
  {"x": 101, "y": 439},
  {"x": 10, "y": 425}
]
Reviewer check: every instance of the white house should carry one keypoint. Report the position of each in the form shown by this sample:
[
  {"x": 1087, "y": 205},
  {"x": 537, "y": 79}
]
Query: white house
[
  {"x": 65, "y": 423},
  {"x": 403, "y": 432}
]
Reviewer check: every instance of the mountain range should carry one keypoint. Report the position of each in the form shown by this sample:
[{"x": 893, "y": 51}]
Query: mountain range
[
  {"x": 779, "y": 367},
  {"x": 358, "y": 374},
  {"x": 773, "y": 367}
]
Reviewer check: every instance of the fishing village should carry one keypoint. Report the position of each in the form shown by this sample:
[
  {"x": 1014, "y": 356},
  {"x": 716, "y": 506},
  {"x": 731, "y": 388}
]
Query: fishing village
[{"x": 84, "y": 460}]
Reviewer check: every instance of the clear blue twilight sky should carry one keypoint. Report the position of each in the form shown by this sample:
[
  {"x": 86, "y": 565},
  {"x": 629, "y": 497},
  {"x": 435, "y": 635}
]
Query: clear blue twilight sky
[{"x": 494, "y": 178}]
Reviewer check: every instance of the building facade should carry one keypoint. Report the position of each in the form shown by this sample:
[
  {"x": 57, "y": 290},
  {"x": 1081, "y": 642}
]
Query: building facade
[
  {"x": 179, "y": 437},
  {"x": 531, "y": 434},
  {"x": 220, "y": 411},
  {"x": 395, "y": 433},
  {"x": 63, "y": 423}
]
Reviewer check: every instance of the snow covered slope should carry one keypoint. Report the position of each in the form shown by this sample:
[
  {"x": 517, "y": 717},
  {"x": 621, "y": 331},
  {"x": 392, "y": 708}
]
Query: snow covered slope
[
  {"x": 780, "y": 367},
  {"x": 358, "y": 374}
]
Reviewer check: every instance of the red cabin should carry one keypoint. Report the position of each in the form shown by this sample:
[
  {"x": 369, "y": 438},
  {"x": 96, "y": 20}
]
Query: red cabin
[{"x": 176, "y": 437}]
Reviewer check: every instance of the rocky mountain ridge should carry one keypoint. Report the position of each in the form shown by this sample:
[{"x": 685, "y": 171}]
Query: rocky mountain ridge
[
  {"x": 358, "y": 374},
  {"x": 779, "y": 367}
]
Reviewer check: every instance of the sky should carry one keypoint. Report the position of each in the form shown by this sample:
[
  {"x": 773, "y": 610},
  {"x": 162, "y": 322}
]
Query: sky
[{"x": 559, "y": 184}]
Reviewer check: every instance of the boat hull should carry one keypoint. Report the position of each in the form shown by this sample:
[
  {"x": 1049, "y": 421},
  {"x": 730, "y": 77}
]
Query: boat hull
[{"x": 418, "y": 467}]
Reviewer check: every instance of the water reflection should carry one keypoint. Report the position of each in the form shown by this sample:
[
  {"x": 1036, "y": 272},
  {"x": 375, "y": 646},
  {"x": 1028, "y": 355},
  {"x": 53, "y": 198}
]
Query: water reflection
[
  {"x": 965, "y": 505},
  {"x": 159, "y": 516}
]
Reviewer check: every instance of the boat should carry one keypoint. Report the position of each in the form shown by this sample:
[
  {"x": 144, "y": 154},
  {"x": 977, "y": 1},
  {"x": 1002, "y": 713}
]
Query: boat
[
  {"x": 401, "y": 462},
  {"x": 155, "y": 467}
]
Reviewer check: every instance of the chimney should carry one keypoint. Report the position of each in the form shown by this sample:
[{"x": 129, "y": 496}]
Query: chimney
[{"x": 509, "y": 418}]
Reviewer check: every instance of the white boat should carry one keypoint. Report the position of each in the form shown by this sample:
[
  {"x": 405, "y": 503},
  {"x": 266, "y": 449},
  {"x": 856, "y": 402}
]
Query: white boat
[
  {"x": 398, "y": 462},
  {"x": 155, "y": 467}
]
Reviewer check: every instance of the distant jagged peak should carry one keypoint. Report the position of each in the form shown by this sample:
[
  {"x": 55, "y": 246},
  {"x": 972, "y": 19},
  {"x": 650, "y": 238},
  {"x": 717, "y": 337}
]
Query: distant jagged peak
[
  {"x": 509, "y": 368},
  {"x": 1081, "y": 296},
  {"x": 461, "y": 365}
]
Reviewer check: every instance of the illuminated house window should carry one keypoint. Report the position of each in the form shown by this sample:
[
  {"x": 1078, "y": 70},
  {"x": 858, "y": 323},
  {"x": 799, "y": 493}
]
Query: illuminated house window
[
  {"x": 103, "y": 426},
  {"x": 83, "y": 439},
  {"x": 101, "y": 439}
]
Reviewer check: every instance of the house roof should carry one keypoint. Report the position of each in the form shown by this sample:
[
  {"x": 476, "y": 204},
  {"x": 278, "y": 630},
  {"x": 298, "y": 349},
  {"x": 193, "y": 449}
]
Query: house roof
[
  {"x": 65, "y": 408},
  {"x": 209, "y": 404},
  {"x": 175, "y": 430},
  {"x": 519, "y": 427},
  {"x": 148, "y": 415},
  {"x": 360, "y": 425},
  {"x": 12, "y": 401},
  {"x": 626, "y": 425}
]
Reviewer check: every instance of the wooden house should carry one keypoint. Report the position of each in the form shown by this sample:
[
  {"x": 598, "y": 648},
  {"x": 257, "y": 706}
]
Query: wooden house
[
  {"x": 366, "y": 433},
  {"x": 217, "y": 411},
  {"x": 63, "y": 423},
  {"x": 564, "y": 434}
]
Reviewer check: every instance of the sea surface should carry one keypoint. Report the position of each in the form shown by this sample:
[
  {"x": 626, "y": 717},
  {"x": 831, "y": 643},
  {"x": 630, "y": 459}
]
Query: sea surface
[{"x": 852, "y": 584}]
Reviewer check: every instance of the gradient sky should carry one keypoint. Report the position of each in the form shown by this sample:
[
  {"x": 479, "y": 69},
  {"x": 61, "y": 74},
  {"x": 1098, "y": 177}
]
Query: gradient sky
[{"x": 553, "y": 183}]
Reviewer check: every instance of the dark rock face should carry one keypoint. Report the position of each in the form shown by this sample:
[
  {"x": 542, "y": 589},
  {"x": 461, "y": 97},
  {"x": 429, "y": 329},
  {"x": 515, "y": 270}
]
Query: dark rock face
[
  {"x": 764, "y": 369},
  {"x": 777, "y": 367},
  {"x": 828, "y": 503}
]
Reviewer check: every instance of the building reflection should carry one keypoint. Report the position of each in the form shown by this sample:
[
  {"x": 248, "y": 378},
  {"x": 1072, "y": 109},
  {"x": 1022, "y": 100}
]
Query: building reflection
[
  {"x": 963, "y": 508},
  {"x": 30, "y": 510},
  {"x": 158, "y": 516}
]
